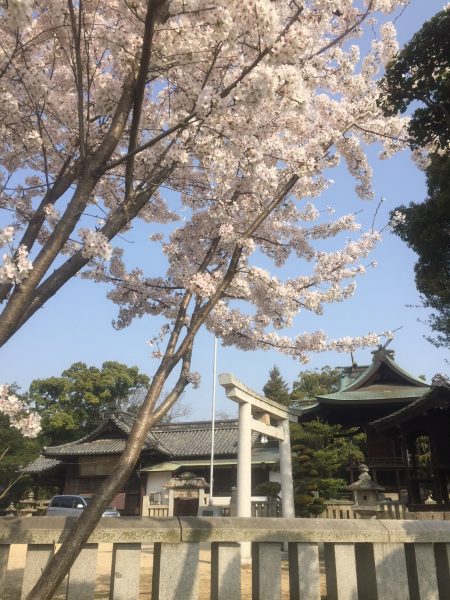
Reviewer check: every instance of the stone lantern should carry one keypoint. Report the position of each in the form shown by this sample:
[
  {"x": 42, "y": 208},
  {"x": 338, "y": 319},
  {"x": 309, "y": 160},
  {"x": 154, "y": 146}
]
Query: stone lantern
[{"x": 365, "y": 493}]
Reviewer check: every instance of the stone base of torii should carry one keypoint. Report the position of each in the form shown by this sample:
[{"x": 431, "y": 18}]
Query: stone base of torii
[{"x": 257, "y": 413}]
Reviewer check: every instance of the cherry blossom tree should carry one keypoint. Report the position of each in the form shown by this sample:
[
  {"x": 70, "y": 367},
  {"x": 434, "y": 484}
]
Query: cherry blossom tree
[
  {"x": 241, "y": 108},
  {"x": 19, "y": 414},
  {"x": 21, "y": 418}
]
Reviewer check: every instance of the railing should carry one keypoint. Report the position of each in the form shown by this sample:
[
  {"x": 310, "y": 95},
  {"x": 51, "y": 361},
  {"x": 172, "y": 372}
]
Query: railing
[
  {"x": 362, "y": 559},
  {"x": 338, "y": 509},
  {"x": 341, "y": 509},
  {"x": 394, "y": 509},
  {"x": 158, "y": 510},
  {"x": 264, "y": 508}
]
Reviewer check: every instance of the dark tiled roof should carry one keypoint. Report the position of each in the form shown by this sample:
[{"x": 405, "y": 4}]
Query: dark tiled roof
[
  {"x": 437, "y": 397},
  {"x": 194, "y": 439},
  {"x": 41, "y": 465},
  {"x": 94, "y": 443},
  {"x": 101, "y": 446},
  {"x": 171, "y": 440}
]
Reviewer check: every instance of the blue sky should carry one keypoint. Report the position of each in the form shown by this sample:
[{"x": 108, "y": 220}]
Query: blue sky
[{"x": 76, "y": 324}]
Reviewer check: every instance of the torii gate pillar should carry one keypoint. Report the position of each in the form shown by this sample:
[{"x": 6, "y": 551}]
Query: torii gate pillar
[{"x": 256, "y": 413}]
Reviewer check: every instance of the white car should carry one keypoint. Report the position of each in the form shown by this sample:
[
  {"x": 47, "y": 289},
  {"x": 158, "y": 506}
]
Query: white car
[{"x": 71, "y": 506}]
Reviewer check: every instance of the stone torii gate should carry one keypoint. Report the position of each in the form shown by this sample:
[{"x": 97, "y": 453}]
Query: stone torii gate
[{"x": 257, "y": 413}]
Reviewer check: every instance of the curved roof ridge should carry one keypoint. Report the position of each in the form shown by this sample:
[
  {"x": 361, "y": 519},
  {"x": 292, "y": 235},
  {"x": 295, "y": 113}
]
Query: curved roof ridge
[
  {"x": 85, "y": 438},
  {"x": 194, "y": 425},
  {"x": 380, "y": 357},
  {"x": 119, "y": 420},
  {"x": 406, "y": 374},
  {"x": 439, "y": 384}
]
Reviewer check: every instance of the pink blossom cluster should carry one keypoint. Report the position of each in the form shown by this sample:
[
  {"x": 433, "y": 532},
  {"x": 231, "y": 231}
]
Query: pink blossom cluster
[
  {"x": 28, "y": 423},
  {"x": 194, "y": 379},
  {"x": 245, "y": 108},
  {"x": 398, "y": 218},
  {"x": 95, "y": 244},
  {"x": 6, "y": 235},
  {"x": 15, "y": 268}
]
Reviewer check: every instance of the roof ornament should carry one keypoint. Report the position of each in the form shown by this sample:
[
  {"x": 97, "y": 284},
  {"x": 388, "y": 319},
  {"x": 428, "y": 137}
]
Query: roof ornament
[{"x": 440, "y": 380}]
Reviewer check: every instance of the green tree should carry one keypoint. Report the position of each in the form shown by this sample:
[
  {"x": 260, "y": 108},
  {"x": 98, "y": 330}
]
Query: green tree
[
  {"x": 312, "y": 383},
  {"x": 15, "y": 452},
  {"x": 426, "y": 229},
  {"x": 276, "y": 388},
  {"x": 420, "y": 74},
  {"x": 75, "y": 403},
  {"x": 321, "y": 453}
]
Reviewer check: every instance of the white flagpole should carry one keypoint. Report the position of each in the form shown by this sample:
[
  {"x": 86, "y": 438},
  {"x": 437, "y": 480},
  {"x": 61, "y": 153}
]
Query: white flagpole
[{"x": 213, "y": 424}]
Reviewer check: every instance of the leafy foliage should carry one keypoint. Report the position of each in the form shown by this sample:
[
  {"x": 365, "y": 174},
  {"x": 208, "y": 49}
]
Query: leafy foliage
[
  {"x": 269, "y": 488},
  {"x": 312, "y": 383},
  {"x": 426, "y": 229},
  {"x": 276, "y": 388},
  {"x": 16, "y": 450},
  {"x": 321, "y": 453},
  {"x": 421, "y": 73},
  {"x": 75, "y": 403}
]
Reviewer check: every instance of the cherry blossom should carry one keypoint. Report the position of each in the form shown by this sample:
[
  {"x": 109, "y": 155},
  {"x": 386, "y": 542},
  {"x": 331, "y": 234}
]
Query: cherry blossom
[
  {"x": 237, "y": 107},
  {"x": 20, "y": 417},
  {"x": 16, "y": 268},
  {"x": 215, "y": 124},
  {"x": 94, "y": 244},
  {"x": 398, "y": 218}
]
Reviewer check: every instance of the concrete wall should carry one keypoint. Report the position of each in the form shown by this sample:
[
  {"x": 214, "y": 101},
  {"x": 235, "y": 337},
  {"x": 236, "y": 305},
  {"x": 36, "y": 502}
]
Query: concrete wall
[{"x": 155, "y": 483}]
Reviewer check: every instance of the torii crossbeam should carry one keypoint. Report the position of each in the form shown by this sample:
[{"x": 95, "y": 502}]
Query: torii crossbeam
[{"x": 257, "y": 413}]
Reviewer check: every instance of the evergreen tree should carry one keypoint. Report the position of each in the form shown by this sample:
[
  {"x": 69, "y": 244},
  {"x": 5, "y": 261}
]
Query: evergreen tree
[
  {"x": 276, "y": 388},
  {"x": 320, "y": 455},
  {"x": 425, "y": 227},
  {"x": 16, "y": 451},
  {"x": 310, "y": 384},
  {"x": 419, "y": 77}
]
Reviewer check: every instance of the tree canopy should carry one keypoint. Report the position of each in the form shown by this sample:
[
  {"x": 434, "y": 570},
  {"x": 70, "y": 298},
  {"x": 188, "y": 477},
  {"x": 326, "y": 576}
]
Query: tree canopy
[
  {"x": 276, "y": 388},
  {"x": 16, "y": 451},
  {"x": 321, "y": 453},
  {"x": 312, "y": 383},
  {"x": 420, "y": 73},
  {"x": 77, "y": 401},
  {"x": 425, "y": 227}
]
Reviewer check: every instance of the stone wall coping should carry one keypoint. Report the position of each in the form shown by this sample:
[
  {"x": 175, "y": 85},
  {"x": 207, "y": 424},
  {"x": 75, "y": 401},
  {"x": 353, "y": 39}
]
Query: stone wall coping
[
  {"x": 172, "y": 530},
  {"x": 49, "y": 530}
]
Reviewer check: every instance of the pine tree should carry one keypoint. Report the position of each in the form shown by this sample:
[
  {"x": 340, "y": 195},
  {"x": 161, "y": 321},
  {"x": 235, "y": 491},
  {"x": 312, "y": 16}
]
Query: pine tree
[
  {"x": 320, "y": 455},
  {"x": 276, "y": 388}
]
